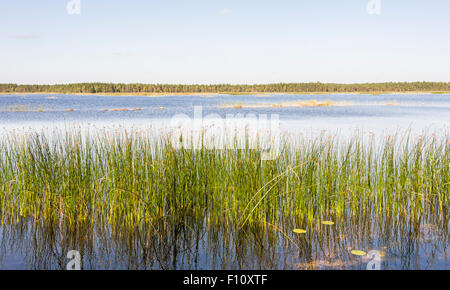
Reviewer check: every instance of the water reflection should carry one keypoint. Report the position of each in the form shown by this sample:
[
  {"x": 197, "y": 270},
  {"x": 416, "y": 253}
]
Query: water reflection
[{"x": 191, "y": 243}]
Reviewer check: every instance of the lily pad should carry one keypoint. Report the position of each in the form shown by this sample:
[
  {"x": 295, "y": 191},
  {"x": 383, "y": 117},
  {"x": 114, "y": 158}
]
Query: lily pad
[{"x": 358, "y": 253}]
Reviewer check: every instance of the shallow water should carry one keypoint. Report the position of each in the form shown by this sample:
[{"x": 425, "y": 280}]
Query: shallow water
[
  {"x": 372, "y": 113},
  {"x": 192, "y": 243}
]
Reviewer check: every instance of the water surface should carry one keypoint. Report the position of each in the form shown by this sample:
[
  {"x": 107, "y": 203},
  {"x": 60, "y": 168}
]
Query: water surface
[{"x": 192, "y": 243}]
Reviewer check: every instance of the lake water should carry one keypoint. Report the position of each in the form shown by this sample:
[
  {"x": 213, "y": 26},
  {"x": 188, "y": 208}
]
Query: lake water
[
  {"x": 367, "y": 112},
  {"x": 190, "y": 244}
]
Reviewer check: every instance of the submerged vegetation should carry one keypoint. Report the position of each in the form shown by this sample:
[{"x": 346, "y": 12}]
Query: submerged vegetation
[
  {"x": 142, "y": 89},
  {"x": 296, "y": 104},
  {"x": 22, "y": 108},
  {"x": 129, "y": 179}
]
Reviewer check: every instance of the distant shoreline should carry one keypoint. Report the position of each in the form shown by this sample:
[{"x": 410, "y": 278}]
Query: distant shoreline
[
  {"x": 230, "y": 94},
  {"x": 157, "y": 90}
]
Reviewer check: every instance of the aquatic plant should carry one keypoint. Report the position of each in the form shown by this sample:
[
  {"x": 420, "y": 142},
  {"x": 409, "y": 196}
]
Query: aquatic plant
[
  {"x": 297, "y": 104},
  {"x": 152, "y": 204},
  {"x": 131, "y": 178},
  {"x": 22, "y": 108},
  {"x": 358, "y": 253}
]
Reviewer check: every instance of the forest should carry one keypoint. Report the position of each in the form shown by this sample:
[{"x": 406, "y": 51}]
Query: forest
[{"x": 317, "y": 87}]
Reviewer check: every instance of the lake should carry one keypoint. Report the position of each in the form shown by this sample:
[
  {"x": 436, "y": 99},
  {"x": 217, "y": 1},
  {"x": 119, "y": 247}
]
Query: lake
[
  {"x": 413, "y": 240},
  {"x": 372, "y": 113}
]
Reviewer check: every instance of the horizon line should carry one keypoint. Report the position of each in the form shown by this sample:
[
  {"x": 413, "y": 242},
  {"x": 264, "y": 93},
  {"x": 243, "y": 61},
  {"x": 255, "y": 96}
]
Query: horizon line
[{"x": 220, "y": 83}]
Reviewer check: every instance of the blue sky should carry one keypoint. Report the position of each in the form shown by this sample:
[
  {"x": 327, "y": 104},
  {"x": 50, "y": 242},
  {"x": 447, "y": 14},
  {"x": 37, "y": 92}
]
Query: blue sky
[{"x": 224, "y": 41}]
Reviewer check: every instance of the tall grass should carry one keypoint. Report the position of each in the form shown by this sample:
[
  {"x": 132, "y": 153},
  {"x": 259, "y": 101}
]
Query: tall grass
[{"x": 130, "y": 178}]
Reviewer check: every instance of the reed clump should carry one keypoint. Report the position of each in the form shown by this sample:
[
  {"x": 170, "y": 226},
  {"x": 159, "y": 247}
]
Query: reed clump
[
  {"x": 294, "y": 104},
  {"x": 22, "y": 108},
  {"x": 131, "y": 178}
]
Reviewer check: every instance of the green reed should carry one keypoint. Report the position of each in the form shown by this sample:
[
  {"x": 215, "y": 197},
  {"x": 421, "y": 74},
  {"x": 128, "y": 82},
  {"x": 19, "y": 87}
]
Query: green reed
[{"x": 130, "y": 178}]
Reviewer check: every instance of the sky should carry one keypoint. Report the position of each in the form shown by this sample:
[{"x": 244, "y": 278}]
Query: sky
[{"x": 224, "y": 41}]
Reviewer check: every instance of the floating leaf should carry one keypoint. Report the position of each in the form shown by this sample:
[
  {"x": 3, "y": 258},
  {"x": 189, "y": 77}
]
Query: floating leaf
[
  {"x": 328, "y": 223},
  {"x": 358, "y": 253},
  {"x": 299, "y": 231}
]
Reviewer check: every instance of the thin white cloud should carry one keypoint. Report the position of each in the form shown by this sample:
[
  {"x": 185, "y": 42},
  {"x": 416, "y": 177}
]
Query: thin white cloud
[
  {"x": 26, "y": 36},
  {"x": 224, "y": 11}
]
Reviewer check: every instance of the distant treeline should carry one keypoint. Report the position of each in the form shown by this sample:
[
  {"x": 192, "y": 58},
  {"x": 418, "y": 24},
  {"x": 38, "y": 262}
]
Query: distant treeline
[{"x": 226, "y": 88}]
